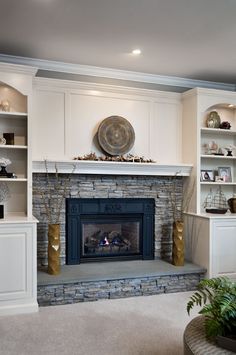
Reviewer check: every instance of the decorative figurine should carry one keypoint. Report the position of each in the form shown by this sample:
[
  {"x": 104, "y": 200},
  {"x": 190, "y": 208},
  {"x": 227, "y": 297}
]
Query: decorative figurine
[
  {"x": 5, "y": 105},
  {"x": 213, "y": 120},
  {"x": 4, "y": 162}
]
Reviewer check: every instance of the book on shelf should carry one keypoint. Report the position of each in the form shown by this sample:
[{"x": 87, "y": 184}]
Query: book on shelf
[{"x": 8, "y": 176}]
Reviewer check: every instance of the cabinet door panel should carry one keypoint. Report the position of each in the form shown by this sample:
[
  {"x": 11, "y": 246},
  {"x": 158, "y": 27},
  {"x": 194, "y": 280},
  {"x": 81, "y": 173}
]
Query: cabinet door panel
[
  {"x": 48, "y": 137},
  {"x": 88, "y": 111},
  {"x": 16, "y": 253},
  {"x": 12, "y": 263},
  {"x": 224, "y": 246}
]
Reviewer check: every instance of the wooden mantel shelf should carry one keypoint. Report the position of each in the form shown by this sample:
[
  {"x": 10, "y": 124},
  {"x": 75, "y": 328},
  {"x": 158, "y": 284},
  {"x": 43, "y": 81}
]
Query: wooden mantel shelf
[{"x": 112, "y": 168}]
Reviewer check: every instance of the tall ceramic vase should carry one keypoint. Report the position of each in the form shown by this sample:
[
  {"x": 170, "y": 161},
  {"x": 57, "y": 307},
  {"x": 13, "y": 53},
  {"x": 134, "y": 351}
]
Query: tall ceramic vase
[
  {"x": 178, "y": 244},
  {"x": 54, "y": 249}
]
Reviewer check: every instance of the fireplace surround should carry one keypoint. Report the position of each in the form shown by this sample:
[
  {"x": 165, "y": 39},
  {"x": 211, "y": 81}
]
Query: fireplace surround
[
  {"x": 103, "y": 229},
  {"x": 109, "y": 186}
]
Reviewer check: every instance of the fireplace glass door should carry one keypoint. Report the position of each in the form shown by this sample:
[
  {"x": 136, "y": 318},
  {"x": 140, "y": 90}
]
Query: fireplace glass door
[
  {"x": 113, "y": 236},
  {"x": 107, "y": 229}
]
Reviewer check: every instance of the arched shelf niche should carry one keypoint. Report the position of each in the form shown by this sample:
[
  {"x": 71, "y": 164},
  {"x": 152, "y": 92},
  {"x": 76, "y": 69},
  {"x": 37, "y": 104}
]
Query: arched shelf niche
[
  {"x": 17, "y": 100},
  {"x": 226, "y": 111}
]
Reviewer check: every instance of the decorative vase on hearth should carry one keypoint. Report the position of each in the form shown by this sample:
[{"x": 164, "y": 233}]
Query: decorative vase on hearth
[
  {"x": 54, "y": 249},
  {"x": 178, "y": 244}
]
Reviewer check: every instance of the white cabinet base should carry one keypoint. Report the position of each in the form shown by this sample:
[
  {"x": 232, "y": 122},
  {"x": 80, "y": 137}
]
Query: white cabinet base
[
  {"x": 210, "y": 241},
  {"x": 18, "y": 277}
]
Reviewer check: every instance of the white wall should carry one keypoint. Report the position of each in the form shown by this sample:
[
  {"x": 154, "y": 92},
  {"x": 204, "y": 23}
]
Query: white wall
[{"x": 66, "y": 116}]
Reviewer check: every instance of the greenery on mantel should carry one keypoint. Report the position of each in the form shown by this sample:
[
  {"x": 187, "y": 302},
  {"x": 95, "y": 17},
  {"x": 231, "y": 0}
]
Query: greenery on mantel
[{"x": 129, "y": 158}]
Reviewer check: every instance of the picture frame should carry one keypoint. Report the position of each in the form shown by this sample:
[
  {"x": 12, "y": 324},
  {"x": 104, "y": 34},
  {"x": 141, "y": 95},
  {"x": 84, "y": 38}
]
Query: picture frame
[
  {"x": 219, "y": 178},
  {"x": 225, "y": 173},
  {"x": 207, "y": 175}
]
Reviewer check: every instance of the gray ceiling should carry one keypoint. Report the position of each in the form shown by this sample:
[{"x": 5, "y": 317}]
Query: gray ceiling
[{"x": 185, "y": 38}]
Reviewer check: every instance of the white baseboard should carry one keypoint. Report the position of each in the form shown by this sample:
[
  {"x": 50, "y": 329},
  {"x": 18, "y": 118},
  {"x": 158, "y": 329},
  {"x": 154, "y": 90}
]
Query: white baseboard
[{"x": 18, "y": 309}]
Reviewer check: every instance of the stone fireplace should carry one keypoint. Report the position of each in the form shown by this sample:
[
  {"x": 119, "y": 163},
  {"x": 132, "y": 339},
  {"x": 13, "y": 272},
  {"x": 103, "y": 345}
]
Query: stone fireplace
[
  {"x": 109, "y": 229},
  {"x": 106, "y": 186}
]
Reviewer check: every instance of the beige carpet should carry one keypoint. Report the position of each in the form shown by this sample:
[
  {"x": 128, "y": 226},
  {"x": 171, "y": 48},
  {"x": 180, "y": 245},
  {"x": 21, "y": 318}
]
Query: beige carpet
[{"x": 138, "y": 326}]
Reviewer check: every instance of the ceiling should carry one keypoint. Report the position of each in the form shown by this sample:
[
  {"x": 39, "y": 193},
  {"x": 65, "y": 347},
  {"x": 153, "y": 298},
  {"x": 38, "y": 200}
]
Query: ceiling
[{"x": 192, "y": 39}]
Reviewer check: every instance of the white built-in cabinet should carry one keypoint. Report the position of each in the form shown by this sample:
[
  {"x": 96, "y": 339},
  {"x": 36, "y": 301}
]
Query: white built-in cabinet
[
  {"x": 18, "y": 291},
  {"x": 211, "y": 243},
  {"x": 18, "y": 280},
  {"x": 210, "y": 238}
]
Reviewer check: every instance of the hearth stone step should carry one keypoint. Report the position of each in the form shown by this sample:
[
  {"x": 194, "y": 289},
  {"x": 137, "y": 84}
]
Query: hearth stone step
[{"x": 109, "y": 280}]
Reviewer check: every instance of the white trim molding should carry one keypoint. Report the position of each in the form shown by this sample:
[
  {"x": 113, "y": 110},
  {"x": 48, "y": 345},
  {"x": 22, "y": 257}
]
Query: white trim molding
[
  {"x": 97, "y": 89},
  {"x": 17, "y": 69},
  {"x": 62, "y": 67},
  {"x": 111, "y": 168}
]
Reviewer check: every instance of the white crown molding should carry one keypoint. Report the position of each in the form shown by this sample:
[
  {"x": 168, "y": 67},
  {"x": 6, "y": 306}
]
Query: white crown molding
[
  {"x": 16, "y": 68},
  {"x": 112, "y": 168},
  {"x": 114, "y": 73},
  {"x": 209, "y": 92},
  {"x": 98, "y": 89}
]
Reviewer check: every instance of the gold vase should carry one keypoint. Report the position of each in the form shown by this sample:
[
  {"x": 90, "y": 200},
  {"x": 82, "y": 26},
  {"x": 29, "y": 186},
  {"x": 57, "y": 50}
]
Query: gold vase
[
  {"x": 178, "y": 244},
  {"x": 54, "y": 249}
]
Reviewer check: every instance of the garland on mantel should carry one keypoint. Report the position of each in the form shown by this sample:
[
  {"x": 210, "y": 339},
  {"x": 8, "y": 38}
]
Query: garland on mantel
[{"x": 129, "y": 158}]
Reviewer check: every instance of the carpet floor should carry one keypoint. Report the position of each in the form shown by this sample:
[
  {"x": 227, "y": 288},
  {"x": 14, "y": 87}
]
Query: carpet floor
[{"x": 133, "y": 326}]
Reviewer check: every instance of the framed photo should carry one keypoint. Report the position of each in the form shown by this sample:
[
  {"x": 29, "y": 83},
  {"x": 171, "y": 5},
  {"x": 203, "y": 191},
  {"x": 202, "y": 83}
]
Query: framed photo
[
  {"x": 219, "y": 179},
  {"x": 207, "y": 175},
  {"x": 225, "y": 173}
]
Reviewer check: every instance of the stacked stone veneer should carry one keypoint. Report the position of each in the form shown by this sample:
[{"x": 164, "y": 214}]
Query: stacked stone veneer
[
  {"x": 91, "y": 291},
  {"x": 97, "y": 186}
]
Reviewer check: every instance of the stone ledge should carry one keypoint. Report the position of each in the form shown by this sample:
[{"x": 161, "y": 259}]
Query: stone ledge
[{"x": 49, "y": 295}]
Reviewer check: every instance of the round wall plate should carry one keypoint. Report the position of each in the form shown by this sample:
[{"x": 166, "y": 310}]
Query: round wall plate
[{"x": 116, "y": 135}]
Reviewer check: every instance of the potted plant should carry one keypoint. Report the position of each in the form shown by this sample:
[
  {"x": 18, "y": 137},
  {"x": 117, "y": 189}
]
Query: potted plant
[{"x": 217, "y": 297}]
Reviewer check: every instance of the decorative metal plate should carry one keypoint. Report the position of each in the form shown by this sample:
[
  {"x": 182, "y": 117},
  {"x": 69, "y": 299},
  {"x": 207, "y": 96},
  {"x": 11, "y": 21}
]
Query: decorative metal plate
[{"x": 116, "y": 135}]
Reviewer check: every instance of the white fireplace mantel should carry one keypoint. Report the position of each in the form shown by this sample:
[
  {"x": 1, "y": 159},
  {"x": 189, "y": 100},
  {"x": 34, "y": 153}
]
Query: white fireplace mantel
[{"x": 111, "y": 168}]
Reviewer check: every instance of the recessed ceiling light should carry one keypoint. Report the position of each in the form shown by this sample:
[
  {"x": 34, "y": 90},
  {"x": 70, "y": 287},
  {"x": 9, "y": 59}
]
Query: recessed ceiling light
[
  {"x": 136, "y": 51},
  {"x": 94, "y": 92}
]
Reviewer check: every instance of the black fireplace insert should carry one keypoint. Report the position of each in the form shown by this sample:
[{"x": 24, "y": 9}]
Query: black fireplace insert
[{"x": 109, "y": 229}]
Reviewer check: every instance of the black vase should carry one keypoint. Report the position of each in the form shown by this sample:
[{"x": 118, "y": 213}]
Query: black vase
[
  {"x": 1, "y": 211},
  {"x": 3, "y": 171}
]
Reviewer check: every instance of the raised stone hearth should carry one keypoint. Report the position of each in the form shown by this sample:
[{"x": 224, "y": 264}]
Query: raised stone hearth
[{"x": 109, "y": 280}]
